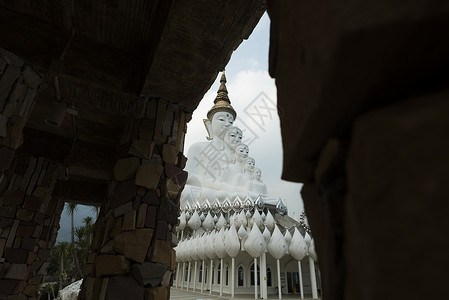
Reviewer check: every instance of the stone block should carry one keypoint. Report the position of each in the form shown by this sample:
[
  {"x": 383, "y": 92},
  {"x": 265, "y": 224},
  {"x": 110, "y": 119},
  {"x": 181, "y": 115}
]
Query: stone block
[
  {"x": 6, "y": 81},
  {"x": 8, "y": 287},
  {"x": 166, "y": 279},
  {"x": 117, "y": 228},
  {"x": 169, "y": 189},
  {"x": 142, "y": 148},
  {"x": 161, "y": 230},
  {"x": 18, "y": 256},
  {"x": 17, "y": 242},
  {"x": 126, "y": 168},
  {"x": 43, "y": 254},
  {"x": 2, "y": 246},
  {"x": 25, "y": 215},
  {"x": 28, "y": 243},
  {"x": 124, "y": 192},
  {"x": 157, "y": 293},
  {"x": 7, "y": 212},
  {"x": 31, "y": 290},
  {"x": 129, "y": 221},
  {"x": 36, "y": 279},
  {"x": 111, "y": 265},
  {"x": 124, "y": 287},
  {"x": 160, "y": 252},
  {"x": 43, "y": 269},
  {"x": 121, "y": 210},
  {"x": 149, "y": 175},
  {"x": 12, "y": 233},
  {"x": 141, "y": 215},
  {"x": 6, "y": 156},
  {"x": 134, "y": 244},
  {"x": 146, "y": 129},
  {"x": 108, "y": 248},
  {"x": 150, "y": 219},
  {"x": 16, "y": 271},
  {"x": 31, "y": 257},
  {"x": 151, "y": 198},
  {"x": 167, "y": 126},
  {"x": 181, "y": 178},
  {"x": 169, "y": 153},
  {"x": 149, "y": 273}
]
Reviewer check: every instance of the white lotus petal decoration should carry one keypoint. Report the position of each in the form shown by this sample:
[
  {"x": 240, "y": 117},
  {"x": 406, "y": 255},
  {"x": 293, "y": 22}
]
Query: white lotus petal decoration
[
  {"x": 208, "y": 223},
  {"x": 219, "y": 245},
  {"x": 312, "y": 251},
  {"x": 269, "y": 221},
  {"x": 195, "y": 221},
  {"x": 182, "y": 220},
  {"x": 277, "y": 246},
  {"x": 255, "y": 243},
  {"x": 298, "y": 246},
  {"x": 221, "y": 222},
  {"x": 232, "y": 243}
]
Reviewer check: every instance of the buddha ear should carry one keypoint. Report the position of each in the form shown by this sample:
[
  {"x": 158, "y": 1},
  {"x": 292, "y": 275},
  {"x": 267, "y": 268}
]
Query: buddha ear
[{"x": 208, "y": 126}]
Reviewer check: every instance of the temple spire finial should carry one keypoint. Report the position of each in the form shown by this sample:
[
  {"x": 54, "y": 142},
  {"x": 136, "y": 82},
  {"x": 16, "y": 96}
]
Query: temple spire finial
[
  {"x": 222, "y": 102},
  {"x": 222, "y": 93}
]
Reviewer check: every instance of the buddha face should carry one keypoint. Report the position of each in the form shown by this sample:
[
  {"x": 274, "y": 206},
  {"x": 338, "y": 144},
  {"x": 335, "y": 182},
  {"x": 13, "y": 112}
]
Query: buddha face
[
  {"x": 233, "y": 137},
  {"x": 250, "y": 163},
  {"x": 257, "y": 173},
  {"x": 220, "y": 121},
  {"x": 242, "y": 151}
]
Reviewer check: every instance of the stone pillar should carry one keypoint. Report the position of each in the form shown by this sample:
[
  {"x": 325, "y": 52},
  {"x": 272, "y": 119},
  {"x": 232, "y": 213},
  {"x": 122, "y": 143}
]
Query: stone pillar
[
  {"x": 29, "y": 222},
  {"x": 132, "y": 254},
  {"x": 18, "y": 86}
]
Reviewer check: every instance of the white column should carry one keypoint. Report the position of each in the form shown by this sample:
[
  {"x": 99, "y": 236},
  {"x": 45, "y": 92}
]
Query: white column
[
  {"x": 188, "y": 275},
  {"x": 260, "y": 277},
  {"x": 255, "y": 278},
  {"x": 232, "y": 277},
  {"x": 210, "y": 276},
  {"x": 183, "y": 275},
  {"x": 263, "y": 273},
  {"x": 203, "y": 270},
  {"x": 221, "y": 277},
  {"x": 313, "y": 278},
  {"x": 279, "y": 279},
  {"x": 301, "y": 286},
  {"x": 194, "y": 276},
  {"x": 177, "y": 276}
]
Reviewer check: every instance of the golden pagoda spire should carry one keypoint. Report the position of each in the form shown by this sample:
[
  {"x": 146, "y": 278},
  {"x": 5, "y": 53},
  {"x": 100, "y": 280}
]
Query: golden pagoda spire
[{"x": 222, "y": 102}]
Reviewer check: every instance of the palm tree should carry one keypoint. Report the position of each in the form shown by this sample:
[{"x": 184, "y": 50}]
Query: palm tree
[
  {"x": 61, "y": 249},
  {"x": 89, "y": 228},
  {"x": 71, "y": 209}
]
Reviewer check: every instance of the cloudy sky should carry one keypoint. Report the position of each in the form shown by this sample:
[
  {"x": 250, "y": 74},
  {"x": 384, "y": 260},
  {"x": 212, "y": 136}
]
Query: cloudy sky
[{"x": 253, "y": 95}]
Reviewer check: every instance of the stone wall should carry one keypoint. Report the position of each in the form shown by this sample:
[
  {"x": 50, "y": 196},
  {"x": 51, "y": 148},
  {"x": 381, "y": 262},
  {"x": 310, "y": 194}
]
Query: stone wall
[
  {"x": 29, "y": 222},
  {"x": 18, "y": 86},
  {"x": 132, "y": 252}
]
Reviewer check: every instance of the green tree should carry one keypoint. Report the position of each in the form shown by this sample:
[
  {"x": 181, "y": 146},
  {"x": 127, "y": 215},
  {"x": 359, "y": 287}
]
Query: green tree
[
  {"x": 71, "y": 209},
  {"x": 62, "y": 250}
]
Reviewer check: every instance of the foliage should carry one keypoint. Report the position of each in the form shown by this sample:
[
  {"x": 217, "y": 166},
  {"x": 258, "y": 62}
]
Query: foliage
[{"x": 69, "y": 258}]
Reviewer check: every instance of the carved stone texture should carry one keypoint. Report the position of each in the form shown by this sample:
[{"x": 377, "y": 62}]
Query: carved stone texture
[
  {"x": 138, "y": 217},
  {"x": 32, "y": 222}
]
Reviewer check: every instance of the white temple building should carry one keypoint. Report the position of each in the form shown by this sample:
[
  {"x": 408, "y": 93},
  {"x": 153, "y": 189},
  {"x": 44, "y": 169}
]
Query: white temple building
[{"x": 231, "y": 226}]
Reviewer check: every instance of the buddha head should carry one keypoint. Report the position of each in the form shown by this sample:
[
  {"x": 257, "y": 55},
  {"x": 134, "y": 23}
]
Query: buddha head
[
  {"x": 250, "y": 164},
  {"x": 222, "y": 114},
  {"x": 241, "y": 152},
  {"x": 232, "y": 137},
  {"x": 257, "y": 174}
]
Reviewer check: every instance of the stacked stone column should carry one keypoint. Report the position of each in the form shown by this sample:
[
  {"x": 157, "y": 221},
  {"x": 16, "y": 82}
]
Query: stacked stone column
[
  {"x": 29, "y": 218},
  {"x": 29, "y": 222},
  {"x": 132, "y": 254}
]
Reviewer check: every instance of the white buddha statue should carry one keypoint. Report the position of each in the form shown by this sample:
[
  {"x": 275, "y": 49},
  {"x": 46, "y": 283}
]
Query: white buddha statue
[
  {"x": 235, "y": 167},
  {"x": 242, "y": 179},
  {"x": 256, "y": 186},
  {"x": 207, "y": 160}
]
